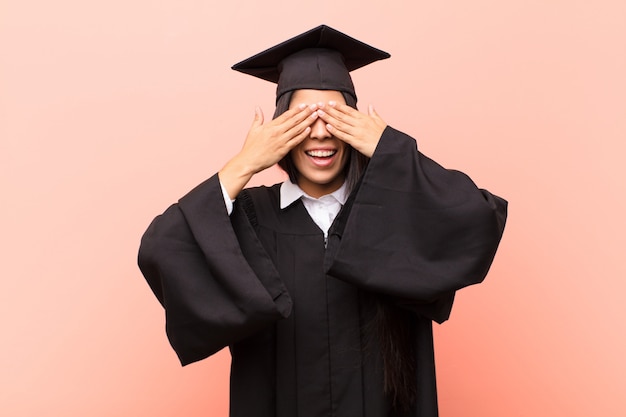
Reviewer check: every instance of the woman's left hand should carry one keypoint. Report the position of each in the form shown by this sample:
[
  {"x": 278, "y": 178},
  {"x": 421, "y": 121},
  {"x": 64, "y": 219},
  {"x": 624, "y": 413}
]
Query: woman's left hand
[{"x": 359, "y": 130}]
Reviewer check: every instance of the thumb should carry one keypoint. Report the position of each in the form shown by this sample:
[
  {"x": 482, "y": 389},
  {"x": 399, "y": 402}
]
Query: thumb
[
  {"x": 258, "y": 117},
  {"x": 374, "y": 115},
  {"x": 372, "y": 112}
]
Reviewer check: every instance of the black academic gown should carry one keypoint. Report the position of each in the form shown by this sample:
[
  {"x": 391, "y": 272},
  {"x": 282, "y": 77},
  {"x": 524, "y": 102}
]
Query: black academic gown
[{"x": 295, "y": 313}]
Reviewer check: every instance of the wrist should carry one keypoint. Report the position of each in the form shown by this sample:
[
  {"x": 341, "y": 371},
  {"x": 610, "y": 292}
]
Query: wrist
[
  {"x": 234, "y": 176},
  {"x": 242, "y": 167}
]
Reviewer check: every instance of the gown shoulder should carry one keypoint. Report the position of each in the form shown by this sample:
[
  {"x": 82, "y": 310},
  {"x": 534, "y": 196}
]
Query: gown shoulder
[
  {"x": 415, "y": 231},
  {"x": 211, "y": 274}
]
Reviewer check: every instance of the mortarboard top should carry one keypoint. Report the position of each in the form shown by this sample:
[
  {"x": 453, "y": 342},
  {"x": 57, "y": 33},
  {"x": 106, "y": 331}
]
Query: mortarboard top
[{"x": 320, "y": 58}]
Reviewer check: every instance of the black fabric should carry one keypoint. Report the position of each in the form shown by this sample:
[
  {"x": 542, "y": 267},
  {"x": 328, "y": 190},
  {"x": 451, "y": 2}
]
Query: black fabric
[
  {"x": 320, "y": 59},
  {"x": 296, "y": 315},
  {"x": 314, "y": 68},
  {"x": 439, "y": 234},
  {"x": 217, "y": 287}
]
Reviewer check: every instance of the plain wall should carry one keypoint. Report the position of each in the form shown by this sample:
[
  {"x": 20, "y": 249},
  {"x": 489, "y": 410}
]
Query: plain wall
[{"x": 110, "y": 111}]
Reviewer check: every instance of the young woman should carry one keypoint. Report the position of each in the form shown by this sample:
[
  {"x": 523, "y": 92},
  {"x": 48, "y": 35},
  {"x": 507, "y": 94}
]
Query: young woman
[{"x": 323, "y": 287}]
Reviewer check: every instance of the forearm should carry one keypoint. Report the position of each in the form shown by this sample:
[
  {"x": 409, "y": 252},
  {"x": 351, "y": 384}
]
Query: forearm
[{"x": 234, "y": 176}]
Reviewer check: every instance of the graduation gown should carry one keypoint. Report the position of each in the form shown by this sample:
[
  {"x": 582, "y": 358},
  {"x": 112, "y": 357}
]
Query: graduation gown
[{"x": 295, "y": 313}]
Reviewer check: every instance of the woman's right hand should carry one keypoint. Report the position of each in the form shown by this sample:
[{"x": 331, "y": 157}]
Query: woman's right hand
[{"x": 266, "y": 144}]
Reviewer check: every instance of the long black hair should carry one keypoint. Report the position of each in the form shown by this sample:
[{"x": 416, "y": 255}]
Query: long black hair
[{"x": 391, "y": 326}]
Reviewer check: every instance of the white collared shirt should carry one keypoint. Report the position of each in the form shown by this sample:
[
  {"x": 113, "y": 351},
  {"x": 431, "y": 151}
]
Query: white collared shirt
[{"x": 322, "y": 210}]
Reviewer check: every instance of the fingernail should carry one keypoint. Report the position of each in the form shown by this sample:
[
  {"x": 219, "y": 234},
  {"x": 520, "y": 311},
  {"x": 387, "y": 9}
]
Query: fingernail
[
  {"x": 302, "y": 106},
  {"x": 332, "y": 103},
  {"x": 313, "y": 106},
  {"x": 321, "y": 112}
]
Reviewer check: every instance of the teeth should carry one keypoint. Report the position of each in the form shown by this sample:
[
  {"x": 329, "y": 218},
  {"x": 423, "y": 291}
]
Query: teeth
[{"x": 320, "y": 153}]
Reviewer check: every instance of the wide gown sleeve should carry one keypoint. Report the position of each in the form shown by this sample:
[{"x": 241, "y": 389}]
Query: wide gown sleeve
[
  {"x": 415, "y": 231},
  {"x": 210, "y": 273}
]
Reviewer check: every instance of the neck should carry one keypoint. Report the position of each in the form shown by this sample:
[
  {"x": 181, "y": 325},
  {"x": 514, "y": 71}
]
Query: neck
[{"x": 316, "y": 190}]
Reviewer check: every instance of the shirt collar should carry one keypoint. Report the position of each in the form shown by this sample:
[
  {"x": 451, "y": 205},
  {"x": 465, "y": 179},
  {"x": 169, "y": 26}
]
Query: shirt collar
[{"x": 290, "y": 192}]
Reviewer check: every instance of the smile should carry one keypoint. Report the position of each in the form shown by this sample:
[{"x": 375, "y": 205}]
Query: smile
[{"x": 321, "y": 153}]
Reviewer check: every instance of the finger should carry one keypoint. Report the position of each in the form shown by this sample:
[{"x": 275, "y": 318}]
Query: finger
[
  {"x": 296, "y": 140},
  {"x": 343, "y": 108},
  {"x": 295, "y": 116},
  {"x": 289, "y": 114},
  {"x": 340, "y": 134},
  {"x": 328, "y": 115},
  {"x": 344, "y": 113},
  {"x": 338, "y": 123},
  {"x": 373, "y": 113},
  {"x": 258, "y": 117},
  {"x": 376, "y": 117},
  {"x": 300, "y": 112},
  {"x": 298, "y": 128}
]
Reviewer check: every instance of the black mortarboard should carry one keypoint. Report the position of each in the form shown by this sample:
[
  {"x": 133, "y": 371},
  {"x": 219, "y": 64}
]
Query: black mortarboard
[{"x": 319, "y": 59}]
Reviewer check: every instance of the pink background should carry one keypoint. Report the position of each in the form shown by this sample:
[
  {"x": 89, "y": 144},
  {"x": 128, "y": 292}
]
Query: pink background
[{"x": 110, "y": 111}]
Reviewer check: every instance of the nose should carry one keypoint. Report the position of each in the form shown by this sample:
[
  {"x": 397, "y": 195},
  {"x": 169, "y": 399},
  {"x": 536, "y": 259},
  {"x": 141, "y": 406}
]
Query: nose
[{"x": 319, "y": 131}]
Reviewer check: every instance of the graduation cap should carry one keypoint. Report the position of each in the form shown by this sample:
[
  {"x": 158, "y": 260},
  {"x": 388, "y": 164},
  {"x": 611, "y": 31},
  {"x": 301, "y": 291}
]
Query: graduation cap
[{"x": 319, "y": 59}]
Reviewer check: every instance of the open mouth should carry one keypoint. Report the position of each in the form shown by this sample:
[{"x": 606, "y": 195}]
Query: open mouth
[{"x": 321, "y": 153}]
